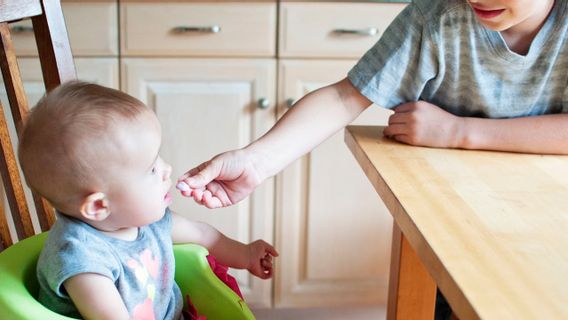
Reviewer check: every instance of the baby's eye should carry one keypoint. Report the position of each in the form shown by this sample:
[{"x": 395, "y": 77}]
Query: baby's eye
[{"x": 154, "y": 170}]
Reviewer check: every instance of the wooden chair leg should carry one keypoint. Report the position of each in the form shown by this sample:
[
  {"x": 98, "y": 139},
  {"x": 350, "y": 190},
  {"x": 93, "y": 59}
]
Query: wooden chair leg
[{"x": 412, "y": 291}]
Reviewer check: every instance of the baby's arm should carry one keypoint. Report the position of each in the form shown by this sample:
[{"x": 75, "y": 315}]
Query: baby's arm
[
  {"x": 425, "y": 124},
  {"x": 255, "y": 257},
  {"x": 96, "y": 297}
]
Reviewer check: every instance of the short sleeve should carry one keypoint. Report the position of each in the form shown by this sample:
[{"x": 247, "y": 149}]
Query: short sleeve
[
  {"x": 73, "y": 252},
  {"x": 396, "y": 69}
]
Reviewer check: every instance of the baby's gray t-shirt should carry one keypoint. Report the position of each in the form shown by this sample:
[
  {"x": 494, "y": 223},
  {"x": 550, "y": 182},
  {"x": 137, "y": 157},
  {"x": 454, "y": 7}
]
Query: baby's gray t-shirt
[
  {"x": 142, "y": 270},
  {"x": 437, "y": 51}
]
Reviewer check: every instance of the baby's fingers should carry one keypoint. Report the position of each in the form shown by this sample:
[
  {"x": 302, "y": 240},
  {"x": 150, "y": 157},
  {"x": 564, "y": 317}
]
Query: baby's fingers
[
  {"x": 266, "y": 264},
  {"x": 271, "y": 251}
]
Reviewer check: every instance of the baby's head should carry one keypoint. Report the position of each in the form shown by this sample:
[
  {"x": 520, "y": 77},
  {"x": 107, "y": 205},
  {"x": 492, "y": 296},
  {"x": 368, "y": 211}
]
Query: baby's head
[{"x": 92, "y": 152}]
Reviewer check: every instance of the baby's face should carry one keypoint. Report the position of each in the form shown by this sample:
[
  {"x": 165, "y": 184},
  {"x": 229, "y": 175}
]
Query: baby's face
[
  {"x": 139, "y": 180},
  {"x": 501, "y": 15}
]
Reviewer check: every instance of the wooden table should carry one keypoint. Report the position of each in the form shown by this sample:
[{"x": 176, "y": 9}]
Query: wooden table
[{"x": 489, "y": 228}]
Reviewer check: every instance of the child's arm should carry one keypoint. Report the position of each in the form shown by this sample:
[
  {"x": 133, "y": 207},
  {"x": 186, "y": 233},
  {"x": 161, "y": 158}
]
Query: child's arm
[
  {"x": 96, "y": 297},
  {"x": 231, "y": 176},
  {"x": 424, "y": 124},
  {"x": 256, "y": 257}
]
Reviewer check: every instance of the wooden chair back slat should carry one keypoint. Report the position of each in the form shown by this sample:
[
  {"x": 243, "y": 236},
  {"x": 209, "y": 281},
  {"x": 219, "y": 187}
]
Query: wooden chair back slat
[
  {"x": 8, "y": 165},
  {"x": 13, "y": 10},
  {"x": 12, "y": 78},
  {"x": 13, "y": 185},
  {"x": 19, "y": 107},
  {"x": 57, "y": 67},
  {"x": 53, "y": 45}
]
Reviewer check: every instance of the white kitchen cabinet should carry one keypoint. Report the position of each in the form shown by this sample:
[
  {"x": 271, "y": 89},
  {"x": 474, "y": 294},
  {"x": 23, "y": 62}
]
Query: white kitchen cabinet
[
  {"x": 207, "y": 106},
  {"x": 210, "y": 76},
  {"x": 333, "y": 231}
]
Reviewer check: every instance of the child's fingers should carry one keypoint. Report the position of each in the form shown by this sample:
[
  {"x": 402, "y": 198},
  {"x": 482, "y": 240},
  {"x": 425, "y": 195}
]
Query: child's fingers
[
  {"x": 184, "y": 189},
  {"x": 266, "y": 264},
  {"x": 396, "y": 129},
  {"x": 211, "y": 201},
  {"x": 270, "y": 249},
  {"x": 203, "y": 174},
  {"x": 406, "y": 107},
  {"x": 206, "y": 196},
  {"x": 219, "y": 192},
  {"x": 267, "y": 273},
  {"x": 190, "y": 173},
  {"x": 197, "y": 195},
  {"x": 182, "y": 186}
]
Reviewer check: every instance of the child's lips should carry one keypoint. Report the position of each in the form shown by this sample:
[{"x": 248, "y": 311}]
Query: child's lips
[
  {"x": 168, "y": 197},
  {"x": 487, "y": 14}
]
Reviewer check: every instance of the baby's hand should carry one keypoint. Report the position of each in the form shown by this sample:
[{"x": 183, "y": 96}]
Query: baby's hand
[{"x": 260, "y": 259}]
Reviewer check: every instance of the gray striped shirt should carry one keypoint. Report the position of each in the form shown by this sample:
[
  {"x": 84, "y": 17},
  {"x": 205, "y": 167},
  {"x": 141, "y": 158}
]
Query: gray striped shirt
[{"x": 437, "y": 51}]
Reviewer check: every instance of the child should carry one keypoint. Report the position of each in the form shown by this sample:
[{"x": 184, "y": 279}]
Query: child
[
  {"x": 471, "y": 74},
  {"x": 93, "y": 153}
]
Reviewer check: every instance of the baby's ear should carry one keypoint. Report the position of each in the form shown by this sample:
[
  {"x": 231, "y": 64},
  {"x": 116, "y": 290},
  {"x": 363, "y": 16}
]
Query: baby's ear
[{"x": 95, "y": 207}]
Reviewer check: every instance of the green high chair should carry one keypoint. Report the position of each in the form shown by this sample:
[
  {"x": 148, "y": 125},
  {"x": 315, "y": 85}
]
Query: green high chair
[
  {"x": 18, "y": 282},
  {"x": 19, "y": 286}
]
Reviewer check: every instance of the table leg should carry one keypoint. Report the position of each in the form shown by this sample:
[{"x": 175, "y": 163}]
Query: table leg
[{"x": 412, "y": 291}]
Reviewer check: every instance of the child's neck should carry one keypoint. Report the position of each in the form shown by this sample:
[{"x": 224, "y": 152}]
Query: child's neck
[
  {"x": 520, "y": 37},
  {"x": 127, "y": 234}
]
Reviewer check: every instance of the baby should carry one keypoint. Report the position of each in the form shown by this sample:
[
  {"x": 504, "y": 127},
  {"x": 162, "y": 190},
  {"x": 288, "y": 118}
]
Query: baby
[{"x": 92, "y": 152}]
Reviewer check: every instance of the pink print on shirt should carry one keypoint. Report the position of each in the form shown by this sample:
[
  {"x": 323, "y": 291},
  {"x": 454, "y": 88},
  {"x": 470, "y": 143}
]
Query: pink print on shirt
[{"x": 148, "y": 267}]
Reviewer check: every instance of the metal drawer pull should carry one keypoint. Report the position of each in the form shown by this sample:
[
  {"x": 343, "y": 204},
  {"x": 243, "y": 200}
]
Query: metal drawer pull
[
  {"x": 361, "y": 32},
  {"x": 187, "y": 29},
  {"x": 22, "y": 29},
  {"x": 263, "y": 103}
]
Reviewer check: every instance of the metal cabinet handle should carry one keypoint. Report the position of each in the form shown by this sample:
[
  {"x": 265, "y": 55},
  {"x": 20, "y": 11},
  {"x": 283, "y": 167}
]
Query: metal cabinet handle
[
  {"x": 203, "y": 29},
  {"x": 263, "y": 103},
  {"x": 290, "y": 102},
  {"x": 22, "y": 29},
  {"x": 361, "y": 32}
]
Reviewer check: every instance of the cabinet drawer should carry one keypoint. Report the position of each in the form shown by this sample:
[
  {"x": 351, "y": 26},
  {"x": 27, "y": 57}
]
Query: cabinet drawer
[
  {"x": 198, "y": 29},
  {"x": 334, "y": 30},
  {"x": 92, "y": 28}
]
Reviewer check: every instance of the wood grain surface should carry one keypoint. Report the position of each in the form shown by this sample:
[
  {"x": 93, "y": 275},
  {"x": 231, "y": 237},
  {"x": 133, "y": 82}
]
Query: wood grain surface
[{"x": 490, "y": 227}]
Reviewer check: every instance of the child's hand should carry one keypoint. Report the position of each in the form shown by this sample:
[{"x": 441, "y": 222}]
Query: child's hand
[
  {"x": 222, "y": 181},
  {"x": 260, "y": 259},
  {"x": 424, "y": 124}
]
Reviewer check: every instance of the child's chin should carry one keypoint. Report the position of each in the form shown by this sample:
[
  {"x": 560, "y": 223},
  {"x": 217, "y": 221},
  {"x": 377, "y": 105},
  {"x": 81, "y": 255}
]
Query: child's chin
[
  {"x": 168, "y": 199},
  {"x": 154, "y": 218}
]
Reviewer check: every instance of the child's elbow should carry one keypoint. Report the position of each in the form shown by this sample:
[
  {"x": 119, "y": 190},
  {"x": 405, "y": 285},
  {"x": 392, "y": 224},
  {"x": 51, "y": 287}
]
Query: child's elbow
[{"x": 351, "y": 97}]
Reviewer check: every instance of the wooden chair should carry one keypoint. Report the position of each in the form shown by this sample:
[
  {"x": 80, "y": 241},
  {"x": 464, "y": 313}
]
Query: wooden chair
[
  {"x": 57, "y": 67},
  {"x": 18, "y": 282}
]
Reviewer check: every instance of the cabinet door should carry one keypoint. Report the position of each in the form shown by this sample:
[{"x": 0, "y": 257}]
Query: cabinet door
[
  {"x": 92, "y": 28},
  {"x": 103, "y": 71},
  {"x": 333, "y": 231},
  {"x": 208, "y": 106}
]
